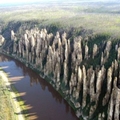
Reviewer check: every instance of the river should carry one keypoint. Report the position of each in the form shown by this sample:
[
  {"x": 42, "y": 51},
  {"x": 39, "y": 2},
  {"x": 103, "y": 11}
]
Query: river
[{"x": 42, "y": 101}]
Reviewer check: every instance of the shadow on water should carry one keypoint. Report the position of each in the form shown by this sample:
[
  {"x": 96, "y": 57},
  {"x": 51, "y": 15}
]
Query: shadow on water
[
  {"x": 42, "y": 101},
  {"x": 28, "y": 115}
]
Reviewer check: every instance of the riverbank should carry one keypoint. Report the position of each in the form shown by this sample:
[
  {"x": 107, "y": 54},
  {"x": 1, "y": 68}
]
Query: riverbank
[
  {"x": 16, "y": 109},
  {"x": 42, "y": 101},
  {"x": 75, "y": 106}
]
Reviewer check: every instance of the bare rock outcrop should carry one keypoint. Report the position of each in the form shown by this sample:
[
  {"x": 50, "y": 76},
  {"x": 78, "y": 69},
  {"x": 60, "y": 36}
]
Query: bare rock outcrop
[
  {"x": 2, "y": 40},
  {"x": 86, "y": 76}
]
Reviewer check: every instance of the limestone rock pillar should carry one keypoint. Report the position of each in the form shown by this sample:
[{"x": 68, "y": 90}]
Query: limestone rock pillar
[{"x": 95, "y": 50}]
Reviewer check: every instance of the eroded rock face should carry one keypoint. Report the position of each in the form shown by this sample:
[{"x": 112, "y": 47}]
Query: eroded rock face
[
  {"x": 82, "y": 72},
  {"x": 118, "y": 54},
  {"x": 2, "y": 40},
  {"x": 114, "y": 104},
  {"x": 109, "y": 86},
  {"x": 86, "y": 52},
  {"x": 95, "y": 50}
]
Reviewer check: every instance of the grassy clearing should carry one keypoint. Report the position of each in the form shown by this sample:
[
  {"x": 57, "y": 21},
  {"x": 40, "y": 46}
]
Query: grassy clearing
[
  {"x": 20, "y": 102},
  {"x": 7, "y": 106}
]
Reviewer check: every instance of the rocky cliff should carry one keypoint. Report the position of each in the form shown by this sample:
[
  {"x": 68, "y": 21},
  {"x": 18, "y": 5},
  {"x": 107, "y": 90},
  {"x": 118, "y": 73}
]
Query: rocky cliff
[{"x": 85, "y": 69}]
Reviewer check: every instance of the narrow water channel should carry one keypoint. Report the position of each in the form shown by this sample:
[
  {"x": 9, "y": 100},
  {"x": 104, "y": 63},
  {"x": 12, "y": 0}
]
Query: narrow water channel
[{"x": 43, "y": 102}]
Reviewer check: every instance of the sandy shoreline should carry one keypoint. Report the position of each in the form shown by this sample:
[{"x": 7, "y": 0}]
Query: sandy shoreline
[{"x": 17, "y": 109}]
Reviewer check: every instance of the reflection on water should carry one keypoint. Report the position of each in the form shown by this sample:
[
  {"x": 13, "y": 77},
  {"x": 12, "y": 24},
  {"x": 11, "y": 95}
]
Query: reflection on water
[{"x": 43, "y": 102}]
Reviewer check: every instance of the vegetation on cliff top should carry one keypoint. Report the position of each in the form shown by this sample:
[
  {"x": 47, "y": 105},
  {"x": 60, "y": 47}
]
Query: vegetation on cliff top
[{"x": 101, "y": 17}]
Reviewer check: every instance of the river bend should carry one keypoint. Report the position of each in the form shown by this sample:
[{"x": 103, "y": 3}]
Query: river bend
[{"x": 42, "y": 101}]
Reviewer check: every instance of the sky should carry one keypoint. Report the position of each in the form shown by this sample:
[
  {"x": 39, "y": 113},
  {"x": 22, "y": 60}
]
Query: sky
[
  {"x": 16, "y": 1},
  {"x": 29, "y": 1}
]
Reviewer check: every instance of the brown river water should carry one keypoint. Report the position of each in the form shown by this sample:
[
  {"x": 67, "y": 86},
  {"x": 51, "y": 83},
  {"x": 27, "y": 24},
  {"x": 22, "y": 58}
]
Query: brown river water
[{"x": 42, "y": 101}]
